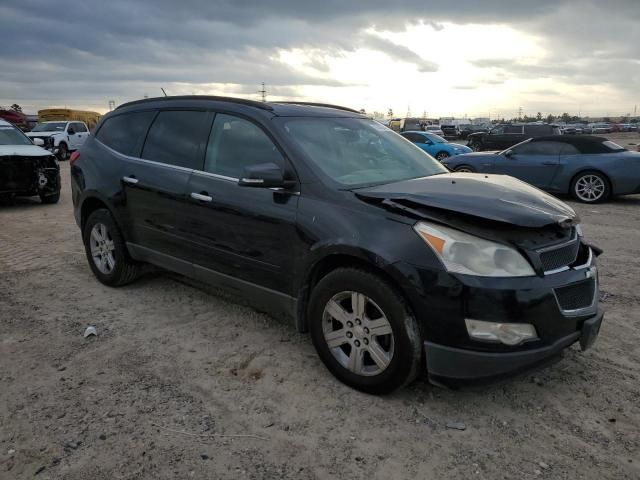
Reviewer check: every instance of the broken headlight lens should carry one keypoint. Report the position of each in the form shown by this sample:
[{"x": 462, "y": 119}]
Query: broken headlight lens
[{"x": 471, "y": 255}]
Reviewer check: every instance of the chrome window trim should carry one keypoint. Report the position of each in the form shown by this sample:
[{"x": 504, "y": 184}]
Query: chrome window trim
[
  {"x": 144, "y": 160},
  {"x": 216, "y": 175}
]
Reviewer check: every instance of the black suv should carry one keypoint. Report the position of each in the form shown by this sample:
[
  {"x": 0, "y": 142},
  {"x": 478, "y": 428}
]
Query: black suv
[
  {"x": 502, "y": 137},
  {"x": 320, "y": 215}
]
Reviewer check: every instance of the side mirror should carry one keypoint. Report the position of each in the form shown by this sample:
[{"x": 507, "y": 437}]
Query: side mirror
[
  {"x": 70, "y": 131},
  {"x": 264, "y": 175},
  {"x": 508, "y": 153},
  {"x": 38, "y": 142}
]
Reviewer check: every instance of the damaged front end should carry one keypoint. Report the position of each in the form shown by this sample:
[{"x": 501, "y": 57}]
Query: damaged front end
[
  {"x": 517, "y": 283},
  {"x": 29, "y": 175}
]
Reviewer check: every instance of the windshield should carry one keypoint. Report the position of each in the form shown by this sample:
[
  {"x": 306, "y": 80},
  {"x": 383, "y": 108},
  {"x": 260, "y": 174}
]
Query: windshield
[
  {"x": 50, "y": 127},
  {"x": 435, "y": 138},
  {"x": 10, "y": 135},
  {"x": 358, "y": 152}
]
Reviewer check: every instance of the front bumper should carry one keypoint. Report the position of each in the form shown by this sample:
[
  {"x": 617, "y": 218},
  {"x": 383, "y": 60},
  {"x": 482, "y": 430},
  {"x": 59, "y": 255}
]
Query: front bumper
[{"x": 445, "y": 362}]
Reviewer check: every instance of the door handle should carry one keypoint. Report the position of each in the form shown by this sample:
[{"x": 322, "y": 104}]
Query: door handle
[
  {"x": 203, "y": 197},
  {"x": 131, "y": 180}
]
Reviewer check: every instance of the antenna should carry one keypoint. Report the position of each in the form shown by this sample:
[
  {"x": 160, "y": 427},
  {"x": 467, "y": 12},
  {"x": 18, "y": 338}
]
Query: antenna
[
  {"x": 263, "y": 93},
  {"x": 165, "y": 93}
]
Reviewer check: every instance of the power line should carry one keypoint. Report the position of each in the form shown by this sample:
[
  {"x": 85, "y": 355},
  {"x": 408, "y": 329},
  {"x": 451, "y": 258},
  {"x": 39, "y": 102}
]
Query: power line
[{"x": 263, "y": 93}]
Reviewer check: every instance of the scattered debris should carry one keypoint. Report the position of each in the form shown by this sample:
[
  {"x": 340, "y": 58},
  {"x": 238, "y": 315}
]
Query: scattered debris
[
  {"x": 456, "y": 425},
  {"x": 11, "y": 452},
  {"x": 72, "y": 445},
  {"x": 39, "y": 470},
  {"x": 91, "y": 330},
  {"x": 543, "y": 465},
  {"x": 537, "y": 472},
  {"x": 204, "y": 456},
  {"x": 102, "y": 436}
]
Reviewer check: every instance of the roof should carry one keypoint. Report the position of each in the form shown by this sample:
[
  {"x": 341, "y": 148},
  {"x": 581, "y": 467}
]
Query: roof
[
  {"x": 4, "y": 122},
  {"x": 284, "y": 109},
  {"x": 584, "y": 143}
]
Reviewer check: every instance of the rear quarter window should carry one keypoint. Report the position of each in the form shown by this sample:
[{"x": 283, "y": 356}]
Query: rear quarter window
[{"x": 125, "y": 133}]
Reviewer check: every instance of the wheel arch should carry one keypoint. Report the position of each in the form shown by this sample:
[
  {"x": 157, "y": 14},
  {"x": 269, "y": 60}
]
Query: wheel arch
[
  {"x": 92, "y": 202},
  {"x": 354, "y": 258}
]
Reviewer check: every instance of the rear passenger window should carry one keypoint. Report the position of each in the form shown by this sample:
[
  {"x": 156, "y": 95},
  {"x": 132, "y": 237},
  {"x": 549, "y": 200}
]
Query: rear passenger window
[
  {"x": 513, "y": 129},
  {"x": 236, "y": 143},
  {"x": 178, "y": 138},
  {"x": 125, "y": 133}
]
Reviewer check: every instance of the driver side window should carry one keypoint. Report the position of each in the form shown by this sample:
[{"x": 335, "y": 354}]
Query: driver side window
[
  {"x": 236, "y": 143},
  {"x": 497, "y": 130}
]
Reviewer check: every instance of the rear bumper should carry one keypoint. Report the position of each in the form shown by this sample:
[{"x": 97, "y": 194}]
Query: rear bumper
[{"x": 444, "y": 362}]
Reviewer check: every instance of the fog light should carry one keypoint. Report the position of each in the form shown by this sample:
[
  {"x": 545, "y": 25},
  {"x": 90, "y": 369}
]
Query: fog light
[{"x": 507, "y": 333}]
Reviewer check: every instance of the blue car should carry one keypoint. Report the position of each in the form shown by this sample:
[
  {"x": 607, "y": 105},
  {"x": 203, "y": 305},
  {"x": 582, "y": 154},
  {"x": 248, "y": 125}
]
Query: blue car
[
  {"x": 591, "y": 169},
  {"x": 435, "y": 145}
]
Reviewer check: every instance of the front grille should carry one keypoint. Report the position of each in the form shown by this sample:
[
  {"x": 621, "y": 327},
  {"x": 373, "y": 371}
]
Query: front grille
[
  {"x": 576, "y": 296},
  {"x": 560, "y": 257}
]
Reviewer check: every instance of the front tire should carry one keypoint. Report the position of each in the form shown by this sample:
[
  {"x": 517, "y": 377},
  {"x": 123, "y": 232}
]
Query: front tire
[
  {"x": 476, "y": 146},
  {"x": 464, "y": 169},
  {"x": 441, "y": 156},
  {"x": 363, "y": 331},
  {"x": 106, "y": 250},
  {"x": 590, "y": 187},
  {"x": 63, "y": 151},
  {"x": 50, "y": 199}
]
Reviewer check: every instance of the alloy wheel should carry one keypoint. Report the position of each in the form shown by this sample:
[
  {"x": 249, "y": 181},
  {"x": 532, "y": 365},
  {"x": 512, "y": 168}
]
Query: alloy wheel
[
  {"x": 102, "y": 248},
  {"x": 590, "y": 188},
  {"x": 464, "y": 170},
  {"x": 358, "y": 333}
]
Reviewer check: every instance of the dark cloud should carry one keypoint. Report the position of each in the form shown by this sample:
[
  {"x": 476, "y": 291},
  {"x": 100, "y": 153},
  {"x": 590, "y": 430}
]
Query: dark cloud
[{"x": 93, "y": 50}]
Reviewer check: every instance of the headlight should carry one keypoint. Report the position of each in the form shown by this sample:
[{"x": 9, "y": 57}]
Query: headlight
[{"x": 464, "y": 253}]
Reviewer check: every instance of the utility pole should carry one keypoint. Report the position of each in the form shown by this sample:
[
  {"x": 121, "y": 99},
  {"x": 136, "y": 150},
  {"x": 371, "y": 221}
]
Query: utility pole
[
  {"x": 112, "y": 105},
  {"x": 263, "y": 93},
  {"x": 520, "y": 113}
]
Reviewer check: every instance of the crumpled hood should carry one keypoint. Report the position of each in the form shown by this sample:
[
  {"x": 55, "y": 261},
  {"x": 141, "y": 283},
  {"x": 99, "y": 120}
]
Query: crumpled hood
[
  {"x": 23, "y": 151},
  {"x": 493, "y": 197}
]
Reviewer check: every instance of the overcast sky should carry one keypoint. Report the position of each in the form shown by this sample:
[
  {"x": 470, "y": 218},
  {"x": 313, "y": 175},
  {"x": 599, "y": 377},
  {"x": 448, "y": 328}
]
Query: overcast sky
[{"x": 477, "y": 58}]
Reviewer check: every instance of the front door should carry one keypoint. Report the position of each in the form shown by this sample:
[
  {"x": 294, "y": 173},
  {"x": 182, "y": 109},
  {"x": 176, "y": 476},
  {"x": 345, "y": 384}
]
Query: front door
[
  {"x": 245, "y": 232},
  {"x": 533, "y": 162}
]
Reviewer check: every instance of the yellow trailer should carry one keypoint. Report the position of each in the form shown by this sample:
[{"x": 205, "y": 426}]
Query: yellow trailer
[{"x": 67, "y": 114}]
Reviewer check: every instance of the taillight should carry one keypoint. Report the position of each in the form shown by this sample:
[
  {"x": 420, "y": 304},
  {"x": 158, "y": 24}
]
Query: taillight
[{"x": 74, "y": 156}]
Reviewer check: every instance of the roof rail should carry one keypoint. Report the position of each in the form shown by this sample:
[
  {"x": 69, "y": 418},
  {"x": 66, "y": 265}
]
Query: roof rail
[
  {"x": 326, "y": 105},
  {"x": 243, "y": 101}
]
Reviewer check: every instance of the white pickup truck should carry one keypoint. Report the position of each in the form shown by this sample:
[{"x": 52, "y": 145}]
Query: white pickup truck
[{"x": 60, "y": 137}]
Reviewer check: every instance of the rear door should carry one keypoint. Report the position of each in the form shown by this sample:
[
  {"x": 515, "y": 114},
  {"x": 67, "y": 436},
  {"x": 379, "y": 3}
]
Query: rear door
[
  {"x": 245, "y": 232},
  {"x": 155, "y": 184},
  {"x": 533, "y": 162}
]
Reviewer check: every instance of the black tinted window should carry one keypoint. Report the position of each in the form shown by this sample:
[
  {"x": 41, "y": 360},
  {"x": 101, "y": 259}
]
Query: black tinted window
[
  {"x": 414, "y": 137},
  {"x": 177, "y": 138},
  {"x": 513, "y": 129},
  {"x": 539, "y": 148},
  {"x": 79, "y": 127},
  {"x": 125, "y": 133},
  {"x": 236, "y": 143},
  {"x": 538, "y": 130}
]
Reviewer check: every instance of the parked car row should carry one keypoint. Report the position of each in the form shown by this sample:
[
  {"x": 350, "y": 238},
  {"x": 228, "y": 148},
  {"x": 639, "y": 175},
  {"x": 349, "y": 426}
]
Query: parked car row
[{"x": 589, "y": 168}]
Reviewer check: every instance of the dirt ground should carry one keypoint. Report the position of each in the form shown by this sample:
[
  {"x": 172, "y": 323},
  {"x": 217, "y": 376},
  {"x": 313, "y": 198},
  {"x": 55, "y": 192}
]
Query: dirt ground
[{"x": 182, "y": 383}]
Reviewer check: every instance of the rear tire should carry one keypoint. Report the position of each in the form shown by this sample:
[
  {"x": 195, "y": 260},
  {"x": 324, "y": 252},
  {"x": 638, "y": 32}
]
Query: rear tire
[
  {"x": 465, "y": 169},
  {"x": 442, "y": 155},
  {"x": 106, "y": 250},
  {"x": 590, "y": 187},
  {"x": 376, "y": 343}
]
